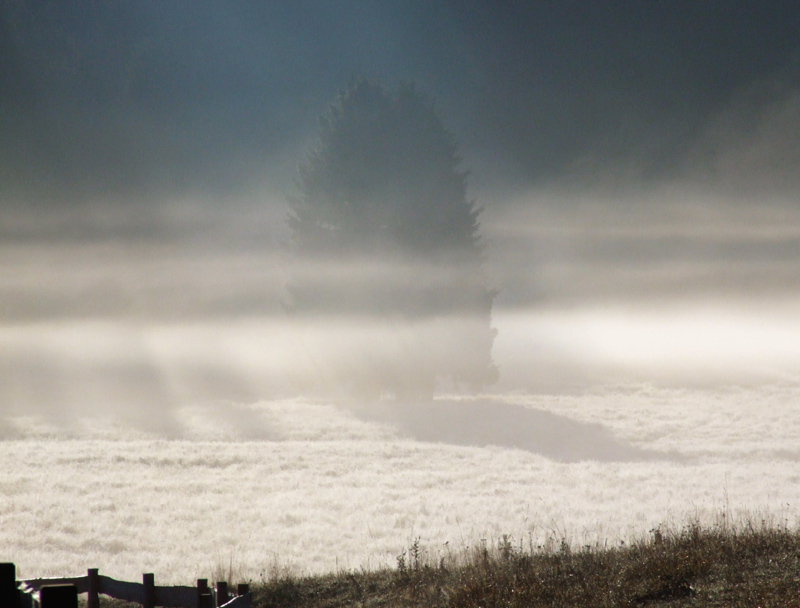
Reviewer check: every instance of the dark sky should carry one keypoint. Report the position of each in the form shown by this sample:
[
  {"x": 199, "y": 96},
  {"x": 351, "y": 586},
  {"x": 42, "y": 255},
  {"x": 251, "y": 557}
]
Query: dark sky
[{"x": 136, "y": 101}]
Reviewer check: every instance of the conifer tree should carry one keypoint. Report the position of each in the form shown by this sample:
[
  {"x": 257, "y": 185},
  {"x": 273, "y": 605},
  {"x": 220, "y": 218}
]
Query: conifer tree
[{"x": 383, "y": 196}]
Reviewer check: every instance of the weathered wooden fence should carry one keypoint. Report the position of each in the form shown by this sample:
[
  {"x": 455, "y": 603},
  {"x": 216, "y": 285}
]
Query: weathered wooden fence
[{"x": 58, "y": 592}]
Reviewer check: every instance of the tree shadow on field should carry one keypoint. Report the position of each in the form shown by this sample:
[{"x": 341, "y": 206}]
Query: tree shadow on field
[{"x": 484, "y": 422}]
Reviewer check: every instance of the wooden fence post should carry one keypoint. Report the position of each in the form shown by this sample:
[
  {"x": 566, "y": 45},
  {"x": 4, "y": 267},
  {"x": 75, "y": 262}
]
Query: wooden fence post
[
  {"x": 149, "y": 584},
  {"x": 244, "y": 589},
  {"x": 9, "y": 594},
  {"x": 222, "y": 593},
  {"x": 203, "y": 593},
  {"x": 58, "y": 596},
  {"x": 93, "y": 599}
]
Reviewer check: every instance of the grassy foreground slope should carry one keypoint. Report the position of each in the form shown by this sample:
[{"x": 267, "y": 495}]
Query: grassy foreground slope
[
  {"x": 720, "y": 566},
  {"x": 742, "y": 566}
]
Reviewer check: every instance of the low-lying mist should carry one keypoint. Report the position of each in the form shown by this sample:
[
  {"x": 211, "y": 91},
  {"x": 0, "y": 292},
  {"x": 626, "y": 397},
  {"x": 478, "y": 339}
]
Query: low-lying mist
[
  {"x": 144, "y": 373},
  {"x": 670, "y": 287}
]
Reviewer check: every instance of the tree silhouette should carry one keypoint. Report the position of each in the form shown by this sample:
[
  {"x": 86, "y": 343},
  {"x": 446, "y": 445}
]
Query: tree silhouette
[{"x": 383, "y": 203}]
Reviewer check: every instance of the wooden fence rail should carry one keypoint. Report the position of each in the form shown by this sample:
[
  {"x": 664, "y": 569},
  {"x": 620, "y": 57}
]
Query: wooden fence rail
[{"x": 27, "y": 593}]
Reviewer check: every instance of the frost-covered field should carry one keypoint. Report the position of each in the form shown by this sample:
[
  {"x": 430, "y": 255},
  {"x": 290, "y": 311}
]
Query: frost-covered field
[{"x": 316, "y": 487}]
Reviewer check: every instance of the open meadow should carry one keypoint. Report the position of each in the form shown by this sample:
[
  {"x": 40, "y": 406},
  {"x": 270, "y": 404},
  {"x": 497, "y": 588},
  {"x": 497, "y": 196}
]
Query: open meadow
[{"x": 315, "y": 487}]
